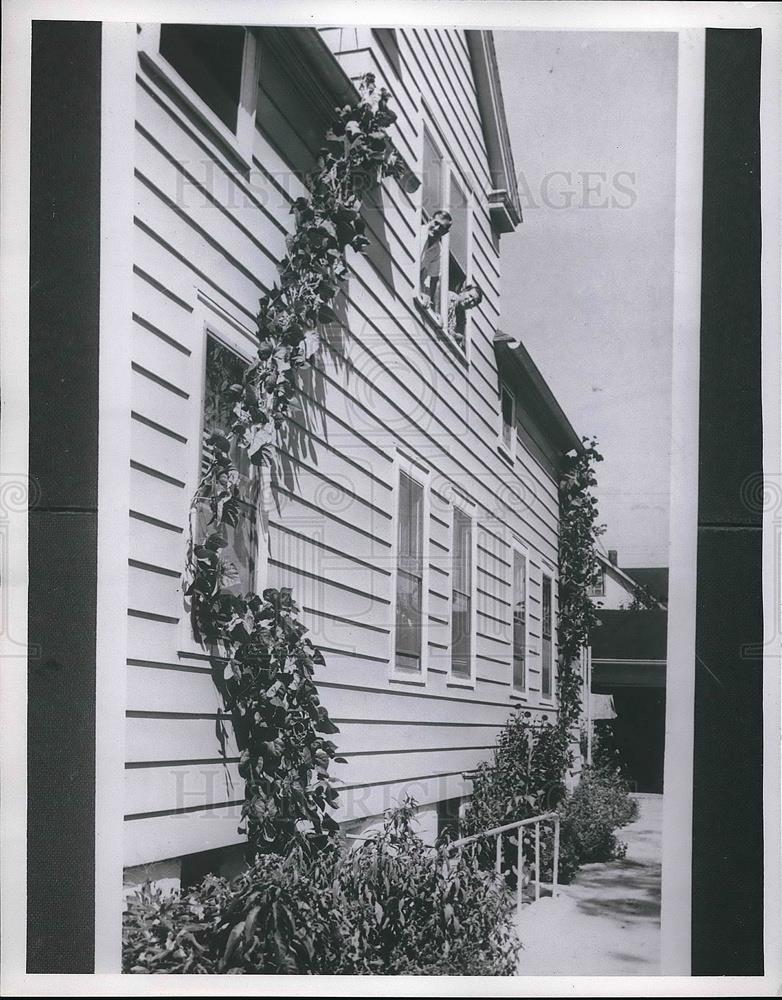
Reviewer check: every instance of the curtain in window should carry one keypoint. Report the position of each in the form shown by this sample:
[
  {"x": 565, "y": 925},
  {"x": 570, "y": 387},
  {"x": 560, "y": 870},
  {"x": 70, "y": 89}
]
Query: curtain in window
[
  {"x": 546, "y": 639},
  {"x": 409, "y": 577},
  {"x": 519, "y": 621}
]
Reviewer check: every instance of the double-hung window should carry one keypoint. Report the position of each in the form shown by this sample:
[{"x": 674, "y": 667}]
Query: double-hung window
[
  {"x": 208, "y": 57},
  {"x": 212, "y": 70},
  {"x": 598, "y": 585},
  {"x": 410, "y": 598},
  {"x": 519, "y": 638},
  {"x": 462, "y": 595},
  {"x": 546, "y": 651},
  {"x": 507, "y": 421}
]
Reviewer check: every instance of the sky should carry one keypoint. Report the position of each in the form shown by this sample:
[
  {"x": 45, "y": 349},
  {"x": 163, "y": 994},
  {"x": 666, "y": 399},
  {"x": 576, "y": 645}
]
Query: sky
[{"x": 587, "y": 279}]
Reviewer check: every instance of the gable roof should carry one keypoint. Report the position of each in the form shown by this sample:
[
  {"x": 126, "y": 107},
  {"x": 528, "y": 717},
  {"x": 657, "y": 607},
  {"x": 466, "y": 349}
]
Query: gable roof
[
  {"x": 504, "y": 202},
  {"x": 654, "y": 578}
]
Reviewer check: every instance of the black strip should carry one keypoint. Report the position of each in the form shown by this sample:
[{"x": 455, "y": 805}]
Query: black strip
[
  {"x": 727, "y": 867},
  {"x": 64, "y": 300}
]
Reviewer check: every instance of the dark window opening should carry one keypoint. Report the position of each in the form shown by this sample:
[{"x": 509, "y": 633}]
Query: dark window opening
[
  {"x": 448, "y": 817},
  {"x": 209, "y": 59}
]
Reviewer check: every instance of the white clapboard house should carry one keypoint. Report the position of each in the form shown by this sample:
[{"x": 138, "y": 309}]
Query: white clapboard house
[{"x": 420, "y": 470}]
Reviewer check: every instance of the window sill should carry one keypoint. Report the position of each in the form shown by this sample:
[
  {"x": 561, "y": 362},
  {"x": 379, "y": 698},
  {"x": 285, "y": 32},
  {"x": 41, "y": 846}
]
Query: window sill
[
  {"x": 434, "y": 321},
  {"x": 461, "y": 682}
]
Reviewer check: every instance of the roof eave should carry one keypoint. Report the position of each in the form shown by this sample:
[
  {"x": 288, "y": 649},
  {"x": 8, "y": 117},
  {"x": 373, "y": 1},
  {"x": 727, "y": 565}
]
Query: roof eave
[{"x": 486, "y": 75}]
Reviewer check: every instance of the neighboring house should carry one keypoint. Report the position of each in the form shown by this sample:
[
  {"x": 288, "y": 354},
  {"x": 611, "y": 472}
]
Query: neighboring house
[
  {"x": 628, "y": 665},
  {"x": 616, "y": 588},
  {"x": 412, "y": 506}
]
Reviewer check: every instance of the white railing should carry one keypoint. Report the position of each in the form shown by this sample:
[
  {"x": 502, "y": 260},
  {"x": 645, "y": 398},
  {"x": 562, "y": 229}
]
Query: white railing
[{"x": 498, "y": 832}]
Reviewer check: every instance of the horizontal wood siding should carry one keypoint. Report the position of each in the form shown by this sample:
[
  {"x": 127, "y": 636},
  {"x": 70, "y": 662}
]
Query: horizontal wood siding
[{"x": 383, "y": 381}]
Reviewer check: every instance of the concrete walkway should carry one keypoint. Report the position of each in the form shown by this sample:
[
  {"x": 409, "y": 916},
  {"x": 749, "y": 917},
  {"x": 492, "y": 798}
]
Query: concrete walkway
[{"x": 607, "y": 921}]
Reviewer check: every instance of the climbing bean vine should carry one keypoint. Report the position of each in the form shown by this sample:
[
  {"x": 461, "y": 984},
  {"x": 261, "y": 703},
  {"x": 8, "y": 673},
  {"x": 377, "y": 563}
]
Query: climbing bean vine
[
  {"x": 578, "y": 567},
  {"x": 263, "y": 661}
]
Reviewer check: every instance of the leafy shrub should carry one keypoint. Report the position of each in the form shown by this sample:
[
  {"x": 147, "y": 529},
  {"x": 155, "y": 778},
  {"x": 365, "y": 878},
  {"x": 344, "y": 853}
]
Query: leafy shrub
[
  {"x": 523, "y": 779},
  {"x": 391, "y": 906},
  {"x": 598, "y": 806}
]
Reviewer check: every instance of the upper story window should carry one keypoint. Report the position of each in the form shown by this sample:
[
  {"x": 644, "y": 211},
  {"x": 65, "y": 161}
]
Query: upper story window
[
  {"x": 410, "y": 565},
  {"x": 546, "y": 651},
  {"x": 223, "y": 367},
  {"x": 209, "y": 58},
  {"x": 598, "y": 587},
  {"x": 507, "y": 420},
  {"x": 446, "y": 291},
  {"x": 519, "y": 621},
  {"x": 211, "y": 70}
]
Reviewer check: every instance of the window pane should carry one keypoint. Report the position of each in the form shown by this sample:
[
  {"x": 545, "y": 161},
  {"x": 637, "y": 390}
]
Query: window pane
[
  {"x": 458, "y": 208},
  {"x": 460, "y": 634},
  {"x": 409, "y": 577},
  {"x": 519, "y": 621},
  {"x": 209, "y": 58},
  {"x": 462, "y": 551},
  {"x": 224, "y": 368},
  {"x": 547, "y": 606},
  {"x": 408, "y": 620},
  {"x": 432, "y": 195},
  {"x": 546, "y": 673},
  {"x": 461, "y": 594},
  {"x": 507, "y": 418}
]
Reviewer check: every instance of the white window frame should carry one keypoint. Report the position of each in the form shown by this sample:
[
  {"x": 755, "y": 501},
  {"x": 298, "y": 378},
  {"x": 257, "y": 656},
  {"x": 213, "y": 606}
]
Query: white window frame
[
  {"x": 510, "y": 453},
  {"x": 517, "y": 546},
  {"x": 212, "y": 320},
  {"x": 240, "y": 143},
  {"x": 422, "y": 476},
  {"x": 548, "y": 699},
  {"x": 468, "y": 508},
  {"x": 448, "y": 170}
]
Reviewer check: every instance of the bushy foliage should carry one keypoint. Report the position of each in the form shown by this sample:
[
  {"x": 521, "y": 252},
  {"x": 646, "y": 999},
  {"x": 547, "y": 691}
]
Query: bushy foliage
[
  {"x": 262, "y": 661},
  {"x": 524, "y": 778},
  {"x": 598, "y": 806},
  {"x": 391, "y": 906}
]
